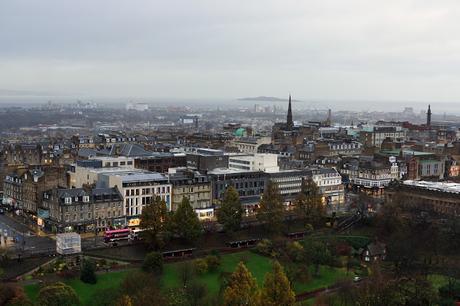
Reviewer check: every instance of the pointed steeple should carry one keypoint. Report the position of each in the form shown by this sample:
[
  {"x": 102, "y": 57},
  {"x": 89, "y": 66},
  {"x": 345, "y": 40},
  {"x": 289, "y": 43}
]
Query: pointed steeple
[
  {"x": 290, "y": 123},
  {"x": 428, "y": 116}
]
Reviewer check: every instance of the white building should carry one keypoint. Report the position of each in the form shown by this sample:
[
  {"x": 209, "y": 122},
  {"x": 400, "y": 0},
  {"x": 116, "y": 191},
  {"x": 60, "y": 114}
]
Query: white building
[
  {"x": 254, "y": 162},
  {"x": 140, "y": 107},
  {"x": 329, "y": 182},
  {"x": 250, "y": 144},
  {"x": 138, "y": 188}
]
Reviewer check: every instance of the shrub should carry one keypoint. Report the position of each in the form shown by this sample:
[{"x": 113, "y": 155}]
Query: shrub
[
  {"x": 57, "y": 294},
  {"x": 200, "y": 266},
  {"x": 264, "y": 247},
  {"x": 295, "y": 251},
  {"x": 213, "y": 262},
  {"x": 215, "y": 253},
  {"x": 88, "y": 274},
  {"x": 153, "y": 263}
]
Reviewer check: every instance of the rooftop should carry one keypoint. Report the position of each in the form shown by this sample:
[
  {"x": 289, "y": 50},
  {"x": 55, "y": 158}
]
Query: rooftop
[
  {"x": 435, "y": 186},
  {"x": 136, "y": 176}
]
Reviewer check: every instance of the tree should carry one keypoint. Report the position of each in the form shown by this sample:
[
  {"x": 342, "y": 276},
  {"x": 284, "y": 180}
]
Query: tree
[
  {"x": 380, "y": 290},
  {"x": 58, "y": 294},
  {"x": 105, "y": 297},
  {"x": 241, "y": 289},
  {"x": 317, "y": 253},
  {"x": 230, "y": 211},
  {"x": 141, "y": 288},
  {"x": 154, "y": 221},
  {"x": 271, "y": 209},
  {"x": 147, "y": 295},
  {"x": 186, "y": 272},
  {"x": 20, "y": 301},
  {"x": 196, "y": 293},
  {"x": 186, "y": 223},
  {"x": 200, "y": 266},
  {"x": 11, "y": 294},
  {"x": 277, "y": 289},
  {"x": 309, "y": 203},
  {"x": 88, "y": 274},
  {"x": 153, "y": 263},
  {"x": 136, "y": 281},
  {"x": 124, "y": 300}
]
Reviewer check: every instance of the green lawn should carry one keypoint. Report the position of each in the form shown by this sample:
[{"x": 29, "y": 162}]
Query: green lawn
[
  {"x": 258, "y": 265},
  {"x": 85, "y": 291},
  {"x": 327, "y": 277}
]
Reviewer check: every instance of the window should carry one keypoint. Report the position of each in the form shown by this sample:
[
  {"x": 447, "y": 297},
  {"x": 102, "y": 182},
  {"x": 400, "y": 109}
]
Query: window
[
  {"x": 86, "y": 199},
  {"x": 68, "y": 200}
]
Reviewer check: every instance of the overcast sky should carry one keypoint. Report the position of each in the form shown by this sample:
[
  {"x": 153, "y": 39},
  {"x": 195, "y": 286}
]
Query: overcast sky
[{"x": 328, "y": 49}]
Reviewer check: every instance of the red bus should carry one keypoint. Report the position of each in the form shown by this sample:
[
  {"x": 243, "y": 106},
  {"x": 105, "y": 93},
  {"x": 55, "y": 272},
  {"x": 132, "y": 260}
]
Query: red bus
[{"x": 113, "y": 235}]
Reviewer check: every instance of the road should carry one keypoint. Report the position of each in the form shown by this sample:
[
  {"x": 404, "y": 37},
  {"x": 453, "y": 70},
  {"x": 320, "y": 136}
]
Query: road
[
  {"x": 26, "y": 240},
  {"x": 34, "y": 243}
]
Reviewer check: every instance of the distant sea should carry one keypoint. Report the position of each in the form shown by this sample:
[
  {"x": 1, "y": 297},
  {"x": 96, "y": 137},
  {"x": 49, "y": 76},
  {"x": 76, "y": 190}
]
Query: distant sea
[{"x": 303, "y": 103}]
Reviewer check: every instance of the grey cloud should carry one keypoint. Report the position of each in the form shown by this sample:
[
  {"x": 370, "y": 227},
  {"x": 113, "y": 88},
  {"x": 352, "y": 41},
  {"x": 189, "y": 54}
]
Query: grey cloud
[{"x": 363, "y": 49}]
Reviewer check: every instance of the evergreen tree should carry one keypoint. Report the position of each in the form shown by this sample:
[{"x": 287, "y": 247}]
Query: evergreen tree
[
  {"x": 154, "y": 221},
  {"x": 230, "y": 211},
  {"x": 186, "y": 223},
  {"x": 241, "y": 289},
  {"x": 277, "y": 289},
  {"x": 88, "y": 273},
  {"x": 309, "y": 204},
  {"x": 271, "y": 209}
]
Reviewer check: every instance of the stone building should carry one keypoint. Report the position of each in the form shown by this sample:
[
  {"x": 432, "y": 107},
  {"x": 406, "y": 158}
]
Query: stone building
[
  {"x": 81, "y": 210},
  {"x": 196, "y": 187},
  {"x": 433, "y": 197}
]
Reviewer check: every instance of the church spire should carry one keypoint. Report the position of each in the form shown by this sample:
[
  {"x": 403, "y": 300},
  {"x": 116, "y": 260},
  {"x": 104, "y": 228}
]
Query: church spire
[
  {"x": 428, "y": 116},
  {"x": 290, "y": 123}
]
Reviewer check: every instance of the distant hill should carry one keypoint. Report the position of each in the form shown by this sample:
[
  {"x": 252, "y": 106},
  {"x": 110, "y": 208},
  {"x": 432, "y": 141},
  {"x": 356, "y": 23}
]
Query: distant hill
[{"x": 266, "y": 99}]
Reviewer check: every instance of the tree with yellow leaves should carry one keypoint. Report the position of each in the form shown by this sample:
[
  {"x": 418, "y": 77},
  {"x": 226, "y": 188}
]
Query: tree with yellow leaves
[
  {"x": 241, "y": 289},
  {"x": 124, "y": 300},
  {"x": 277, "y": 289}
]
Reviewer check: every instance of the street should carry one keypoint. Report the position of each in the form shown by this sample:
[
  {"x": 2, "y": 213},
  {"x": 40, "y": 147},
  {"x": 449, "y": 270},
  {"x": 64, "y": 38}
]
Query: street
[
  {"x": 25, "y": 239},
  {"x": 28, "y": 241}
]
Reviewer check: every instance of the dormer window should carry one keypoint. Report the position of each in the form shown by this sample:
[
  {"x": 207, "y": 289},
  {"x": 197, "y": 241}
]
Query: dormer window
[
  {"x": 76, "y": 199},
  {"x": 86, "y": 199},
  {"x": 68, "y": 200}
]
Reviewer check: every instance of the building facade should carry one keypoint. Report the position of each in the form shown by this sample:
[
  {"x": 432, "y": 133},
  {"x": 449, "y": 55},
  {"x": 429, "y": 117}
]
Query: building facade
[
  {"x": 81, "y": 210},
  {"x": 194, "y": 186}
]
